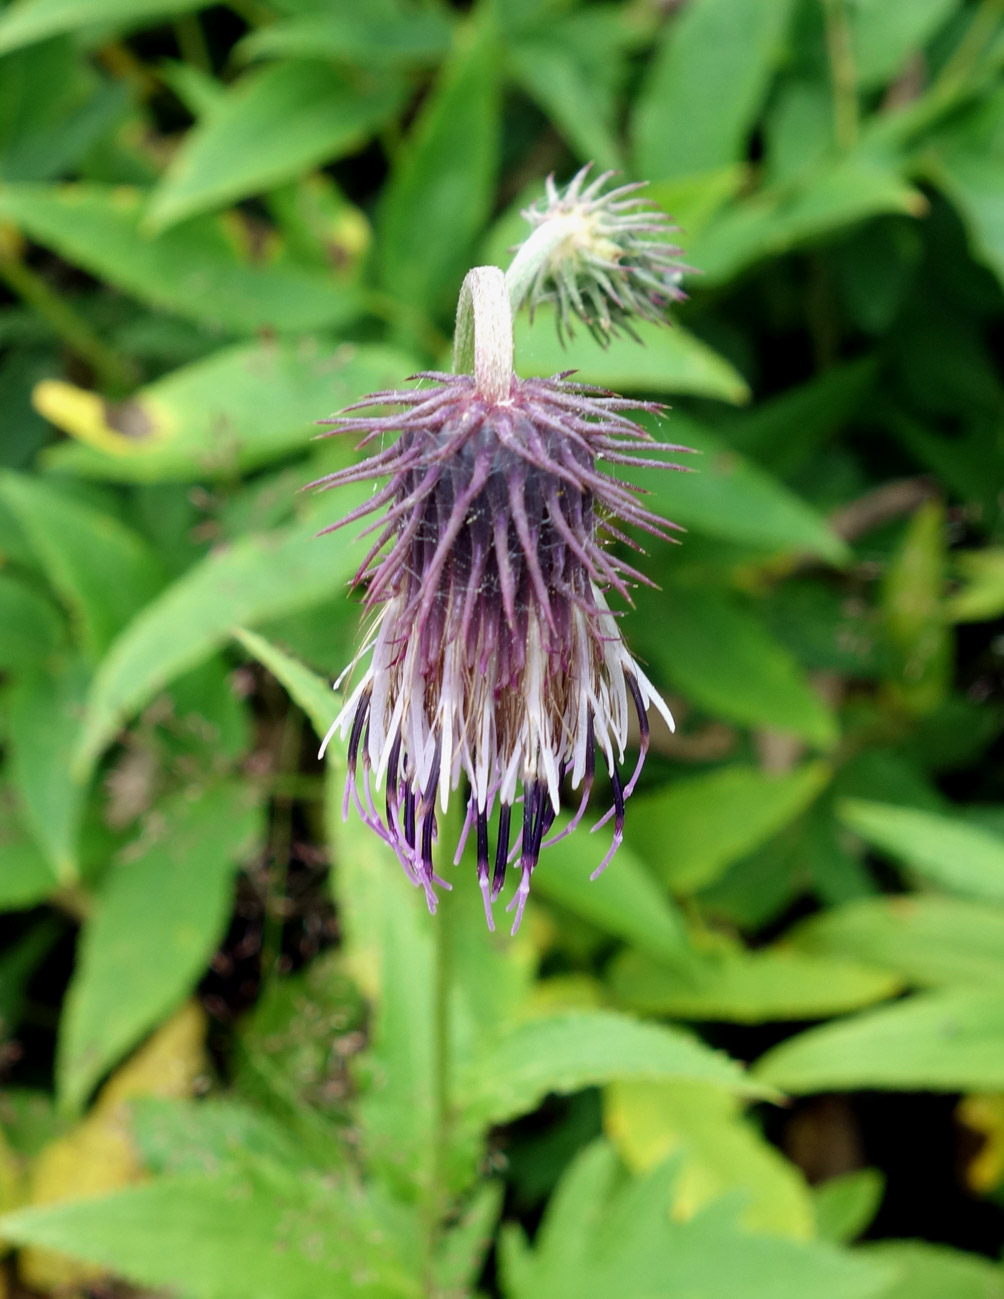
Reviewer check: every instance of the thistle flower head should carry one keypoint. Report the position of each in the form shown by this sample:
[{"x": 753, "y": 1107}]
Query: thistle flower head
[
  {"x": 600, "y": 257},
  {"x": 492, "y": 660}
]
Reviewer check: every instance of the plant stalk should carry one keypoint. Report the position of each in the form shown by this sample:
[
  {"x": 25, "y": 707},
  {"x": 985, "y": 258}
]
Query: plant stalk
[
  {"x": 970, "y": 49},
  {"x": 842, "y": 73},
  {"x": 442, "y": 1067},
  {"x": 534, "y": 254},
  {"x": 113, "y": 372},
  {"x": 482, "y": 341}
]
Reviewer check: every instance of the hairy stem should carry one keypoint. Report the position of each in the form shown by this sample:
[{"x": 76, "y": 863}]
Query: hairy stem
[
  {"x": 482, "y": 341},
  {"x": 533, "y": 256}
]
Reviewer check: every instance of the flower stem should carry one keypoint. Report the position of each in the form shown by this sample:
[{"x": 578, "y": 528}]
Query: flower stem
[
  {"x": 442, "y": 1062},
  {"x": 482, "y": 341},
  {"x": 842, "y": 73},
  {"x": 442, "y": 1067},
  {"x": 533, "y": 255}
]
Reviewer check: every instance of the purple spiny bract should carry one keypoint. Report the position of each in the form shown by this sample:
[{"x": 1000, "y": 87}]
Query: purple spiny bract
[{"x": 493, "y": 656}]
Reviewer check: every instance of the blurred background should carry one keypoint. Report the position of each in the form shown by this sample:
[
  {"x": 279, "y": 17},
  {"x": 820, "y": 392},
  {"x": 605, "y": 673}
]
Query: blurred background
[{"x": 764, "y": 1053}]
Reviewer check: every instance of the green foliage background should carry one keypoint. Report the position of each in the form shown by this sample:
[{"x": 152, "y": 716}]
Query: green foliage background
[{"x": 220, "y": 224}]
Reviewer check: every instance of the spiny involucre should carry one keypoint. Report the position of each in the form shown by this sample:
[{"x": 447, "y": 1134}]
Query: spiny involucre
[{"x": 493, "y": 661}]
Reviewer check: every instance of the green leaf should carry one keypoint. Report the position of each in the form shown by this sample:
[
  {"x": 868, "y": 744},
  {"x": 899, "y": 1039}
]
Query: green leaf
[
  {"x": 942, "y": 849},
  {"x": 161, "y": 911},
  {"x": 273, "y": 124},
  {"x": 601, "y": 1236},
  {"x": 43, "y": 705},
  {"x": 306, "y": 688},
  {"x": 260, "y": 1232},
  {"x": 550, "y": 65},
  {"x": 240, "y": 408},
  {"x": 380, "y": 36},
  {"x": 388, "y": 950},
  {"x": 690, "y": 831},
  {"x": 706, "y": 85},
  {"x": 32, "y": 626},
  {"x": 26, "y": 877},
  {"x": 719, "y": 1151},
  {"x": 293, "y": 1050},
  {"x": 692, "y": 201},
  {"x": 730, "y": 497},
  {"x": 625, "y": 900},
  {"x": 208, "y": 1136},
  {"x": 884, "y": 36},
  {"x": 749, "y": 987},
  {"x": 775, "y": 222},
  {"x": 259, "y": 577},
  {"x": 926, "y": 1271},
  {"x": 966, "y": 162},
  {"x": 79, "y": 548},
  {"x": 717, "y": 654},
  {"x": 982, "y": 595},
  {"x": 439, "y": 191},
  {"x": 33, "y": 20},
  {"x": 877, "y": 269},
  {"x": 53, "y": 108},
  {"x": 671, "y": 360},
  {"x": 823, "y": 629},
  {"x": 917, "y": 633},
  {"x": 798, "y": 126},
  {"x": 950, "y": 1040},
  {"x": 845, "y": 1205},
  {"x": 927, "y": 939},
  {"x": 198, "y": 270},
  {"x": 783, "y": 433},
  {"x": 564, "y": 1053},
  {"x": 463, "y": 1248}
]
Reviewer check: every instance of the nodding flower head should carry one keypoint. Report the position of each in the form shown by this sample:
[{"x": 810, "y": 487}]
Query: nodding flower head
[
  {"x": 492, "y": 658},
  {"x": 601, "y": 257}
]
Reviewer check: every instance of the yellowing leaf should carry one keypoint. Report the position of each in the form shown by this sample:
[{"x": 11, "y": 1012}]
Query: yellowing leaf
[
  {"x": 91, "y": 419},
  {"x": 98, "y": 1154},
  {"x": 984, "y": 1115},
  {"x": 720, "y": 1149},
  {"x": 10, "y": 1188},
  {"x": 982, "y": 595},
  {"x": 240, "y": 407}
]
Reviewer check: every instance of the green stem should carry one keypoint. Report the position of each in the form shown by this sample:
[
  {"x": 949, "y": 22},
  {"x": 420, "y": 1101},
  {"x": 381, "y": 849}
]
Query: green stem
[
  {"x": 113, "y": 372},
  {"x": 482, "y": 340},
  {"x": 280, "y": 846},
  {"x": 192, "y": 44},
  {"x": 533, "y": 255},
  {"x": 442, "y": 1051},
  {"x": 442, "y": 1064},
  {"x": 843, "y": 74},
  {"x": 967, "y": 53}
]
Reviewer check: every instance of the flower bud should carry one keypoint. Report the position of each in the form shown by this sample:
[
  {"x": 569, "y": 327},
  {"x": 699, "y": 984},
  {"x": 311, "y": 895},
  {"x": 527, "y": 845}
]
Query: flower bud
[{"x": 601, "y": 257}]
